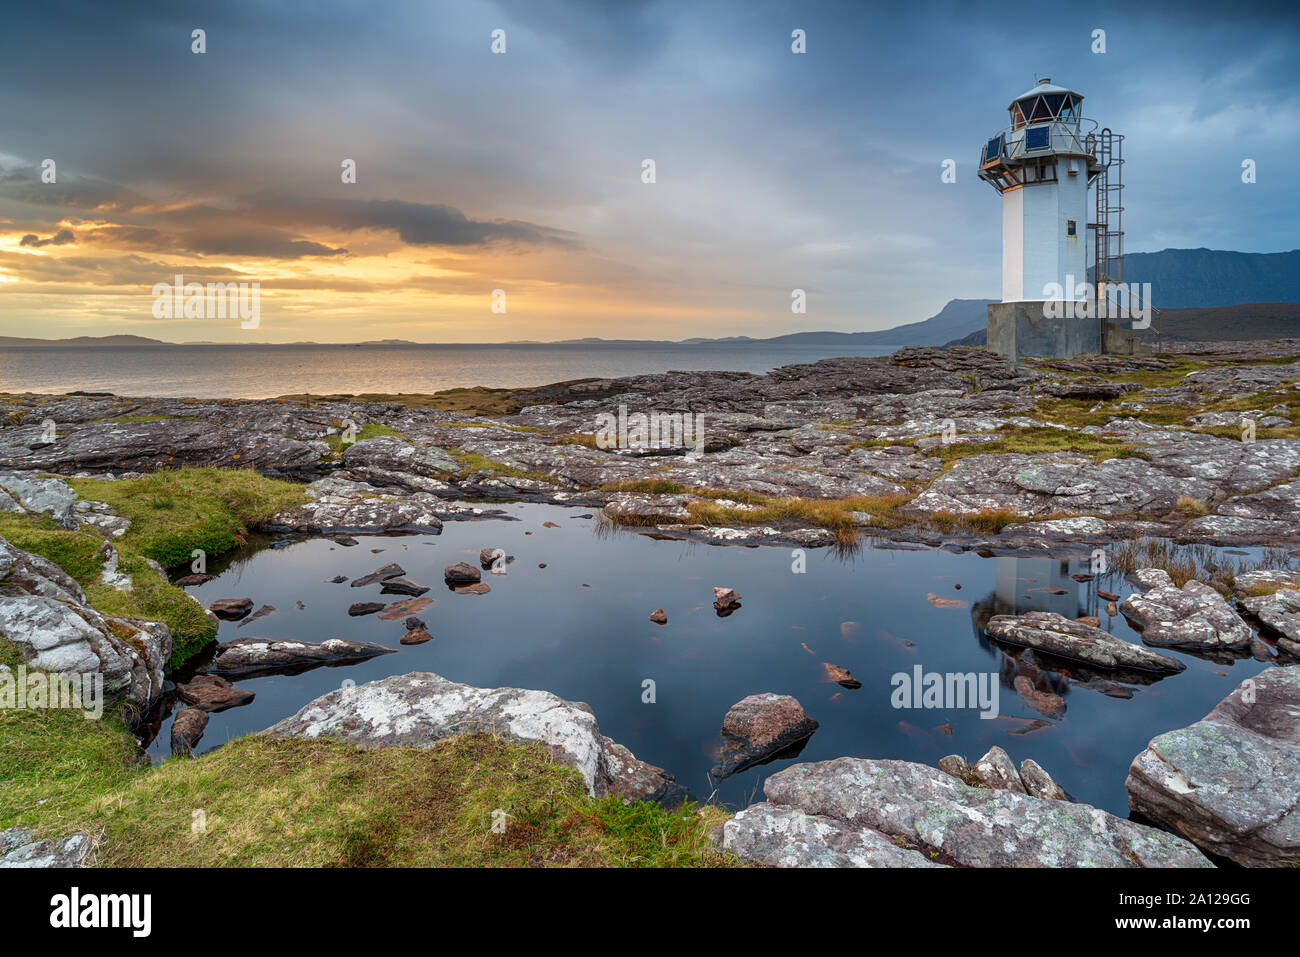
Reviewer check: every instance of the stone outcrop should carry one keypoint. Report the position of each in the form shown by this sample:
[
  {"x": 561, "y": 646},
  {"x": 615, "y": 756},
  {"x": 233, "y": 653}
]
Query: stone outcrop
[
  {"x": 850, "y": 804},
  {"x": 44, "y": 613},
  {"x": 1057, "y": 635},
  {"x": 253, "y": 657},
  {"x": 1192, "y": 618},
  {"x": 420, "y": 709},
  {"x": 1280, "y": 614},
  {"x": 1231, "y": 781}
]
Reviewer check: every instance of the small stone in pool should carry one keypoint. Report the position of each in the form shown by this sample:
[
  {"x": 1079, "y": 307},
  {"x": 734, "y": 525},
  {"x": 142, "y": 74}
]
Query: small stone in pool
[
  {"x": 365, "y": 608},
  {"x": 188, "y": 580},
  {"x": 658, "y": 617},
  {"x": 337, "y": 579},
  {"x": 412, "y": 623},
  {"x": 231, "y": 609},
  {"x": 416, "y": 636}
]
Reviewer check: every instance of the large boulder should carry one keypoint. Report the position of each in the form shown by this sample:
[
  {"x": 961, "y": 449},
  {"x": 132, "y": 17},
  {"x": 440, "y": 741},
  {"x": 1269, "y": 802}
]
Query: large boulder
[
  {"x": 1229, "y": 782},
  {"x": 1194, "y": 617},
  {"x": 1057, "y": 635},
  {"x": 420, "y": 709},
  {"x": 44, "y": 613},
  {"x": 933, "y": 815}
]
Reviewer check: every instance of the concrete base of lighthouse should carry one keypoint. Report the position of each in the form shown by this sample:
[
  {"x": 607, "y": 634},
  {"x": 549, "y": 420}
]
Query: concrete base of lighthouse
[{"x": 1027, "y": 328}]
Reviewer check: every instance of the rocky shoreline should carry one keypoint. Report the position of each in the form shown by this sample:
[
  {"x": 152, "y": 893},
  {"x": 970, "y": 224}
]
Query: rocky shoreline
[{"x": 954, "y": 448}]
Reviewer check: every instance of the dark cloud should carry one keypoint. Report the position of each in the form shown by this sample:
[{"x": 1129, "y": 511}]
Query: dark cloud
[{"x": 63, "y": 237}]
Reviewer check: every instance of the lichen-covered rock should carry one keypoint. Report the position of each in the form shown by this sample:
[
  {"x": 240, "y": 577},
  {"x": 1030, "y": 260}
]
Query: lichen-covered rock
[
  {"x": 1280, "y": 613},
  {"x": 1231, "y": 781},
  {"x": 760, "y": 727},
  {"x": 19, "y": 847},
  {"x": 1060, "y": 636},
  {"x": 972, "y": 826},
  {"x": 41, "y": 495},
  {"x": 996, "y": 770},
  {"x": 253, "y": 657},
  {"x": 44, "y": 613},
  {"x": 341, "y": 506},
  {"x": 777, "y": 836},
  {"x": 1194, "y": 617},
  {"x": 420, "y": 709}
]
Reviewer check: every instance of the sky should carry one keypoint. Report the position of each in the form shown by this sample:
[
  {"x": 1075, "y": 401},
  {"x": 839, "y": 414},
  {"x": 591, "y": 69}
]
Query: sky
[{"x": 523, "y": 172}]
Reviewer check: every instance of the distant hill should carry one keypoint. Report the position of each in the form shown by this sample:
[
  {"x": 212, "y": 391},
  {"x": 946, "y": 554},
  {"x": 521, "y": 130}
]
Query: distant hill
[
  {"x": 957, "y": 318},
  {"x": 1258, "y": 320},
  {"x": 1200, "y": 278},
  {"x": 17, "y": 342}
]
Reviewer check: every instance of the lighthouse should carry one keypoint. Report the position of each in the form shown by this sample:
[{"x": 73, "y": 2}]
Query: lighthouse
[{"x": 1042, "y": 164}]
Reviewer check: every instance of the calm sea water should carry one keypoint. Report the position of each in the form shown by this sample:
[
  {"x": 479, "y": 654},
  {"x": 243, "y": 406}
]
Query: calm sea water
[
  {"x": 579, "y": 628},
  {"x": 256, "y": 372}
]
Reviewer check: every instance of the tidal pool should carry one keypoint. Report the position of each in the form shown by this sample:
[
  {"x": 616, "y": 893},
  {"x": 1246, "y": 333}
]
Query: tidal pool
[{"x": 579, "y": 628}]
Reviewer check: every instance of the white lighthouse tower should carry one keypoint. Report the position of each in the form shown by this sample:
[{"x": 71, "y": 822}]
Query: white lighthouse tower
[{"x": 1042, "y": 164}]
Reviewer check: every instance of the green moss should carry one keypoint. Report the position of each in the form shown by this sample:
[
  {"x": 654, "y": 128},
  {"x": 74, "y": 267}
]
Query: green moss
[
  {"x": 176, "y": 511},
  {"x": 74, "y": 552}
]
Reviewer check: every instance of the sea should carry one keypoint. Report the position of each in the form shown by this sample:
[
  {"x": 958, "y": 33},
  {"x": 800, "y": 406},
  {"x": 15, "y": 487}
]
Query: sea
[{"x": 265, "y": 371}]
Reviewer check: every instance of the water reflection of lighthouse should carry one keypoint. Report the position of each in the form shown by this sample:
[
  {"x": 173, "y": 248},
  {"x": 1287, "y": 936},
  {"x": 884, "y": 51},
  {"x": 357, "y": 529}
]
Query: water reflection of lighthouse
[{"x": 1029, "y": 584}]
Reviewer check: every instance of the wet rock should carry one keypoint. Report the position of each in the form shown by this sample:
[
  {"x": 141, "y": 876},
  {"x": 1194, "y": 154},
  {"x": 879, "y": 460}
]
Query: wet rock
[
  {"x": 254, "y": 657},
  {"x": 1058, "y": 635},
  {"x": 413, "y": 622},
  {"x": 420, "y": 709},
  {"x": 1229, "y": 782},
  {"x": 758, "y": 728},
  {"x": 337, "y": 579},
  {"x": 212, "y": 693},
  {"x": 347, "y": 541},
  {"x": 391, "y": 570},
  {"x": 487, "y": 557},
  {"x": 416, "y": 636},
  {"x": 188, "y": 726},
  {"x": 402, "y": 586},
  {"x": 478, "y": 588},
  {"x": 360, "y": 608},
  {"x": 231, "y": 609},
  {"x": 971, "y": 826},
  {"x": 45, "y": 615},
  {"x": 725, "y": 598},
  {"x": 1194, "y": 617},
  {"x": 658, "y": 617},
  {"x": 19, "y": 847},
  {"x": 189, "y": 581},
  {"x": 461, "y": 573},
  {"x": 841, "y": 676},
  {"x": 401, "y": 609}
]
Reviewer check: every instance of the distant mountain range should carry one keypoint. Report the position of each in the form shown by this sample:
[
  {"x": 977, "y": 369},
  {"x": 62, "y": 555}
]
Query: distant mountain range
[{"x": 1260, "y": 288}]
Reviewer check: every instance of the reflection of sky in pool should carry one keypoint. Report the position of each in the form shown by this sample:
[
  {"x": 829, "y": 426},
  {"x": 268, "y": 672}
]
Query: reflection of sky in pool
[{"x": 579, "y": 628}]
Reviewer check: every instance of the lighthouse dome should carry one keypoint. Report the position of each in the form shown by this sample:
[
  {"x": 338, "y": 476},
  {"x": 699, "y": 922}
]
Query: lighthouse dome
[{"x": 1045, "y": 101}]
